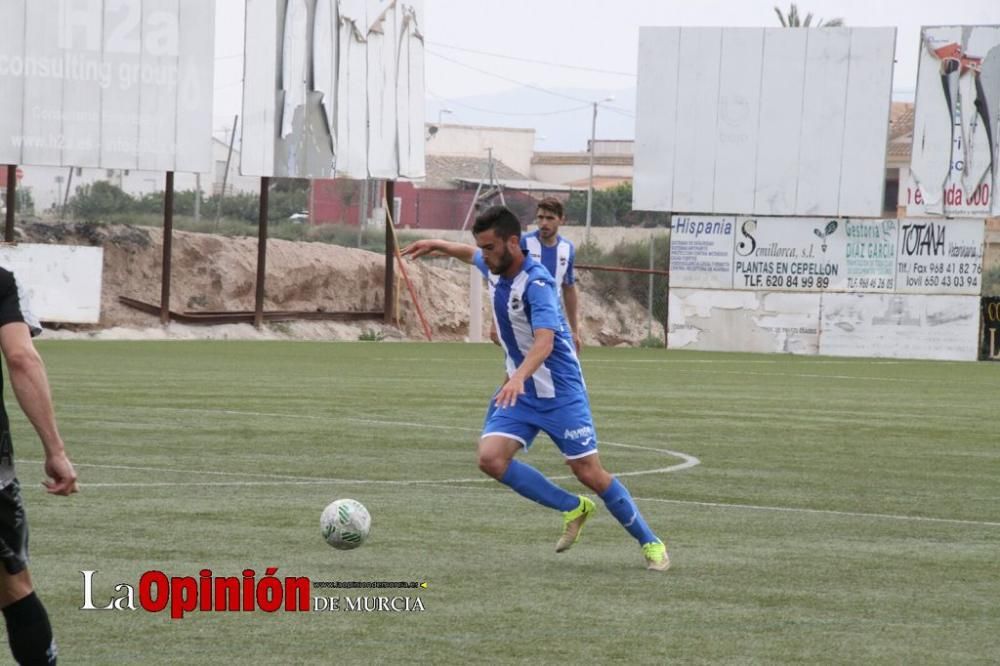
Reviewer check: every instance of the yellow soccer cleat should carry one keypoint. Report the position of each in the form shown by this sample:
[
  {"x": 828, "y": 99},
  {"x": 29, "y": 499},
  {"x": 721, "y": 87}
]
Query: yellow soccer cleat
[
  {"x": 657, "y": 558},
  {"x": 573, "y": 523}
]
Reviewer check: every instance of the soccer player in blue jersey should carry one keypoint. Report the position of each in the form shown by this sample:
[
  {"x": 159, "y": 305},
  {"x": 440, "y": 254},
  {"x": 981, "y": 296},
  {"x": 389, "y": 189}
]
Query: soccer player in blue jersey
[
  {"x": 557, "y": 254},
  {"x": 544, "y": 390}
]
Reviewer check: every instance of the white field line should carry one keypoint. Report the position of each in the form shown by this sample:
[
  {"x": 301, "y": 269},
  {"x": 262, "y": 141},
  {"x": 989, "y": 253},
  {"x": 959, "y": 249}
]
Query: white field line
[
  {"x": 825, "y": 512},
  {"x": 689, "y": 461},
  {"x": 304, "y": 481}
]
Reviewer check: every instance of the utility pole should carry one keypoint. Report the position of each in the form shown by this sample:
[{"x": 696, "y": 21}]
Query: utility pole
[{"x": 590, "y": 180}]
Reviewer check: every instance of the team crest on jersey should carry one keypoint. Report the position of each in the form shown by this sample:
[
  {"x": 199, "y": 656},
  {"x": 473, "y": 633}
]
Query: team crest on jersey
[
  {"x": 562, "y": 261},
  {"x": 515, "y": 304}
]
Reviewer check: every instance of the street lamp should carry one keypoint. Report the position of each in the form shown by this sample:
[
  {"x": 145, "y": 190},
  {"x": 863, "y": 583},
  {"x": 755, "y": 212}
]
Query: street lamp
[{"x": 590, "y": 181}]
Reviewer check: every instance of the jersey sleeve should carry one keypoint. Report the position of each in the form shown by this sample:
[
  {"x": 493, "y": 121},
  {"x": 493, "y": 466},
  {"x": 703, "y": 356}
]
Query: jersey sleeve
[
  {"x": 570, "y": 277},
  {"x": 480, "y": 263},
  {"x": 13, "y": 307},
  {"x": 541, "y": 298}
]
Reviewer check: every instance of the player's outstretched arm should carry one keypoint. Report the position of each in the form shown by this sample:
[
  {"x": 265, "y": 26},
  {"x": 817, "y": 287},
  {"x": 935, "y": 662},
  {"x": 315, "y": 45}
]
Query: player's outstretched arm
[
  {"x": 31, "y": 387},
  {"x": 460, "y": 251}
]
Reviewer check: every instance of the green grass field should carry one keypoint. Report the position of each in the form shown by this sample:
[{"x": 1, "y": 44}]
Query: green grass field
[{"x": 843, "y": 511}]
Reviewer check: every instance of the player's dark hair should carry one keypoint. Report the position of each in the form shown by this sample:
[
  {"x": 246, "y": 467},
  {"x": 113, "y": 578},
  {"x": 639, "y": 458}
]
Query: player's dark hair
[
  {"x": 500, "y": 219},
  {"x": 552, "y": 205}
]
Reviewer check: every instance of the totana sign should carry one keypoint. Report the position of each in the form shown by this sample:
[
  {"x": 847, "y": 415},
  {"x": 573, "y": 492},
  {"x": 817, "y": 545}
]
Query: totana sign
[{"x": 116, "y": 84}]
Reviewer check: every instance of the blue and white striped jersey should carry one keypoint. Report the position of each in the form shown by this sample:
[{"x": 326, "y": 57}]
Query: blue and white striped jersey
[
  {"x": 558, "y": 259},
  {"x": 522, "y": 304}
]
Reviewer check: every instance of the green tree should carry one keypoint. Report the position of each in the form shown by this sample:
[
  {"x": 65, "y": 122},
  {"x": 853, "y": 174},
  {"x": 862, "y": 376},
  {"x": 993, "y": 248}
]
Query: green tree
[
  {"x": 92, "y": 202},
  {"x": 793, "y": 20},
  {"x": 612, "y": 208}
]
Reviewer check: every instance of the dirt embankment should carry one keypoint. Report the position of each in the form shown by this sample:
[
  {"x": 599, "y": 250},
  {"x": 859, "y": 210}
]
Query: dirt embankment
[{"x": 213, "y": 273}]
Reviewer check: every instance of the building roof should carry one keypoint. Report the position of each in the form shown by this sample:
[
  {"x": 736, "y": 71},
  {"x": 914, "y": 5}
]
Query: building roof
[
  {"x": 528, "y": 185},
  {"x": 601, "y": 182},
  {"x": 443, "y": 172},
  {"x": 900, "y": 135},
  {"x": 582, "y": 158}
]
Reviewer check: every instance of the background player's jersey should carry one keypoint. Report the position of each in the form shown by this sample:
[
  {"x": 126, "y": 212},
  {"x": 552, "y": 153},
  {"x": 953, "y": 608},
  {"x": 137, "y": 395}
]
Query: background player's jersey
[
  {"x": 558, "y": 259},
  {"x": 12, "y": 309},
  {"x": 522, "y": 304}
]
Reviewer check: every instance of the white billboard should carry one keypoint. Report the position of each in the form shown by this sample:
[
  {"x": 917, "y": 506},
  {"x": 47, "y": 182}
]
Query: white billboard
[
  {"x": 334, "y": 88},
  {"x": 116, "y": 84},
  {"x": 900, "y": 326},
  {"x": 940, "y": 257},
  {"x": 701, "y": 251},
  {"x": 750, "y": 321},
  {"x": 793, "y": 254},
  {"x": 62, "y": 282},
  {"x": 783, "y": 121},
  {"x": 954, "y": 167},
  {"x": 913, "y": 255}
]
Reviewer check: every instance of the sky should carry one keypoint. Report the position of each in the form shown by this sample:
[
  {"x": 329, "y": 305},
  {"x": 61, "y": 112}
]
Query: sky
[{"x": 495, "y": 61}]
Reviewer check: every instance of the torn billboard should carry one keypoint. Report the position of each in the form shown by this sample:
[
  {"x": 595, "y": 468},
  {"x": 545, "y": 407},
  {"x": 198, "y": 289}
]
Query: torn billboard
[
  {"x": 953, "y": 164},
  {"x": 113, "y": 84},
  {"x": 333, "y": 88}
]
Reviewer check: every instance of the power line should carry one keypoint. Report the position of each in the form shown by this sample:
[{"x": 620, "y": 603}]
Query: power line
[
  {"x": 508, "y": 79},
  {"x": 613, "y": 109},
  {"x": 536, "y": 62},
  {"x": 508, "y": 113}
]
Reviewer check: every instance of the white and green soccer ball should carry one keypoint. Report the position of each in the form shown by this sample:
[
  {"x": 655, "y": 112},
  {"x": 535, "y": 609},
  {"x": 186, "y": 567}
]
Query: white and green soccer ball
[{"x": 345, "y": 524}]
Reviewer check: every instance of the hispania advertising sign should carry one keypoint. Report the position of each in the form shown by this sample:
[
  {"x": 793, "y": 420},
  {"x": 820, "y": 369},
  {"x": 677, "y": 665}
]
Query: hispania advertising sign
[{"x": 116, "y": 84}]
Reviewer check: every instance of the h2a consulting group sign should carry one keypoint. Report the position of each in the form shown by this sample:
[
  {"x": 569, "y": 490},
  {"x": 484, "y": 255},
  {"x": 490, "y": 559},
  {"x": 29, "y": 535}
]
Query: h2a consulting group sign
[
  {"x": 116, "y": 84},
  {"x": 818, "y": 255}
]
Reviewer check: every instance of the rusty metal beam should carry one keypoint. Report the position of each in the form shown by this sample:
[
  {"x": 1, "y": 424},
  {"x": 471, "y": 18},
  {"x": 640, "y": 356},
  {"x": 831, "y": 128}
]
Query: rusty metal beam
[
  {"x": 390, "y": 254},
  {"x": 8, "y": 227},
  {"x": 209, "y": 317},
  {"x": 168, "y": 237},
  {"x": 258, "y": 318}
]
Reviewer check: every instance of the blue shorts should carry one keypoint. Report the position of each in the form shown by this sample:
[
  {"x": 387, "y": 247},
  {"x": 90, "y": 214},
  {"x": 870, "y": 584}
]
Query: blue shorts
[{"x": 567, "y": 422}]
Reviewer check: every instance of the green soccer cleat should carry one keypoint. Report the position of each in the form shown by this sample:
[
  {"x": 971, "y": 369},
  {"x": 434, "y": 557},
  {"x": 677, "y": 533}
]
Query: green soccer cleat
[
  {"x": 573, "y": 523},
  {"x": 657, "y": 558}
]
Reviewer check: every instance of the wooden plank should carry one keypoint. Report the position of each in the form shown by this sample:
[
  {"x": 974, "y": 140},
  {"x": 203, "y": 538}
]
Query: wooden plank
[
  {"x": 656, "y": 118},
  {"x": 195, "y": 86},
  {"x": 43, "y": 95},
  {"x": 866, "y": 123},
  {"x": 12, "y": 29},
  {"x": 121, "y": 43},
  {"x": 352, "y": 77},
  {"x": 260, "y": 84},
  {"x": 782, "y": 85},
  {"x": 158, "y": 85},
  {"x": 738, "y": 120},
  {"x": 383, "y": 44},
  {"x": 697, "y": 111},
  {"x": 822, "y": 138}
]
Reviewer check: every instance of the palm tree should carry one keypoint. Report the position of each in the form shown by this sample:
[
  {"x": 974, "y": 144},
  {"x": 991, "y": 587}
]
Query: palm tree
[{"x": 792, "y": 20}]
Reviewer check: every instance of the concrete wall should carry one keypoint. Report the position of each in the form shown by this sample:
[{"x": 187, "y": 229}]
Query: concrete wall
[{"x": 513, "y": 147}]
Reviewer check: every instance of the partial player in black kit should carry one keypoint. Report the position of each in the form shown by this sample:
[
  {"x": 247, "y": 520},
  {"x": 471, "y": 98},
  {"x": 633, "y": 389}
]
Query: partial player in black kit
[{"x": 28, "y": 630}]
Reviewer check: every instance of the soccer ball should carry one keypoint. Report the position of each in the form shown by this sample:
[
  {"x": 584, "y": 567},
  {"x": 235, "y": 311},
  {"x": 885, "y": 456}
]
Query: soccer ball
[{"x": 345, "y": 524}]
